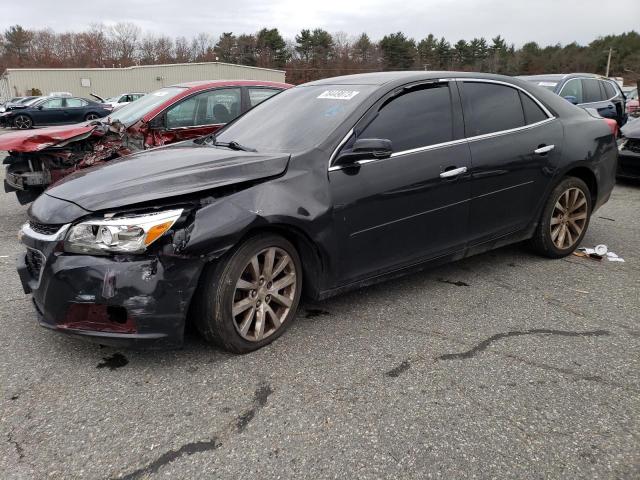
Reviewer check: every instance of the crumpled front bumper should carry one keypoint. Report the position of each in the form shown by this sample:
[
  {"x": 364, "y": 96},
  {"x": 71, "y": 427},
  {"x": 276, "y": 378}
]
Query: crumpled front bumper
[{"x": 123, "y": 300}]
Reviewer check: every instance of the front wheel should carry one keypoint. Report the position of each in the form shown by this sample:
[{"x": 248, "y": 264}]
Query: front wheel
[
  {"x": 23, "y": 122},
  {"x": 248, "y": 300},
  {"x": 565, "y": 219},
  {"x": 91, "y": 116}
]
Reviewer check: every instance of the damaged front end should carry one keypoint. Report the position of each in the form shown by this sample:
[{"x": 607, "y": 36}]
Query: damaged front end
[
  {"x": 40, "y": 158},
  {"x": 87, "y": 285},
  {"x": 117, "y": 258}
]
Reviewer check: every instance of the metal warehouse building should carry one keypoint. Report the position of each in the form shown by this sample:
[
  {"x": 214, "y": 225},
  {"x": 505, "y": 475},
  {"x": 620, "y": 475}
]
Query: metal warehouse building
[{"x": 108, "y": 82}]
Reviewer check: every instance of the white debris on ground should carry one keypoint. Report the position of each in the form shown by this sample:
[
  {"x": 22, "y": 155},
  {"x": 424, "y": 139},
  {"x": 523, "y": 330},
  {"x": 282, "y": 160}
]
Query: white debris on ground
[{"x": 598, "y": 253}]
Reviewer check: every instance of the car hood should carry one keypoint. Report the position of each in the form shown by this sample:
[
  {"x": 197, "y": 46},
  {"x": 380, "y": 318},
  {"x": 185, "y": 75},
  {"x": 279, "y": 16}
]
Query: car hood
[
  {"x": 630, "y": 130},
  {"x": 164, "y": 172},
  {"x": 41, "y": 138}
]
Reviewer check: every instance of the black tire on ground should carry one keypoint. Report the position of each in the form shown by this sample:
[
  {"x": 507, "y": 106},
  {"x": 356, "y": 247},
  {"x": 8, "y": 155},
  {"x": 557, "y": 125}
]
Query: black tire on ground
[
  {"x": 23, "y": 122},
  {"x": 542, "y": 241},
  {"x": 213, "y": 301},
  {"x": 28, "y": 196},
  {"x": 91, "y": 116}
]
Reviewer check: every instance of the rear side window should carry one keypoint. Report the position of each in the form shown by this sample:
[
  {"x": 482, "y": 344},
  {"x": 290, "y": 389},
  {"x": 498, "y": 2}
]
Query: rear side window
[
  {"x": 416, "y": 119},
  {"x": 491, "y": 108},
  {"x": 591, "y": 90},
  {"x": 532, "y": 111},
  {"x": 573, "y": 88},
  {"x": 609, "y": 89},
  {"x": 76, "y": 102}
]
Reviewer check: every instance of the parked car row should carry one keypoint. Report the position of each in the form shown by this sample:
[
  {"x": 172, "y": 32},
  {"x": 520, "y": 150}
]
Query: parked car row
[
  {"x": 40, "y": 157},
  {"x": 325, "y": 187}
]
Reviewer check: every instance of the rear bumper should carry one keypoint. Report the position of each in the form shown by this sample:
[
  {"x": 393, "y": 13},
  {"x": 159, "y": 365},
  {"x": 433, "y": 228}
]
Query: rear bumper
[{"x": 126, "y": 301}]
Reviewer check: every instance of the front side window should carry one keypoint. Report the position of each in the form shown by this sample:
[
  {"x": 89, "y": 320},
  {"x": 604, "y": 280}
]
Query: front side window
[
  {"x": 257, "y": 95},
  {"x": 75, "y": 102},
  {"x": 591, "y": 90},
  {"x": 53, "y": 103},
  {"x": 419, "y": 118},
  {"x": 206, "y": 108},
  {"x": 573, "y": 88},
  {"x": 491, "y": 108}
]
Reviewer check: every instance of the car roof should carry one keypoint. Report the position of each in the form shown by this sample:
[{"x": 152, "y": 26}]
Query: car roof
[
  {"x": 384, "y": 78},
  {"x": 204, "y": 84},
  {"x": 561, "y": 76}
]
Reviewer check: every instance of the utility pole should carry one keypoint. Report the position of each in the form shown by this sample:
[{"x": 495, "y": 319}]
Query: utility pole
[{"x": 609, "y": 61}]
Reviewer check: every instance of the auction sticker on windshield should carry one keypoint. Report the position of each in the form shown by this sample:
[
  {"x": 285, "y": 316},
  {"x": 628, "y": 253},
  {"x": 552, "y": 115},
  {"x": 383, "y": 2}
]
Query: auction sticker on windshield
[{"x": 338, "y": 94}]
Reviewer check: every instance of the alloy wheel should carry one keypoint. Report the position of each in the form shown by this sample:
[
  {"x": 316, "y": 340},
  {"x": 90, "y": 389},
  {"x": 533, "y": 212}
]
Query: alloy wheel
[
  {"x": 568, "y": 218},
  {"x": 91, "y": 116},
  {"x": 22, "y": 122},
  {"x": 264, "y": 294}
]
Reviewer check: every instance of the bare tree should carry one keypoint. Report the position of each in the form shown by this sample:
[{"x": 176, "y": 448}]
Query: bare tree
[{"x": 125, "y": 37}]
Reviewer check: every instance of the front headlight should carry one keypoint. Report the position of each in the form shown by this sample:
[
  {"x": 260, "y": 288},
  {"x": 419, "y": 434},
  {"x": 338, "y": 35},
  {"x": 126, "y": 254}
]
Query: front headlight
[{"x": 127, "y": 234}]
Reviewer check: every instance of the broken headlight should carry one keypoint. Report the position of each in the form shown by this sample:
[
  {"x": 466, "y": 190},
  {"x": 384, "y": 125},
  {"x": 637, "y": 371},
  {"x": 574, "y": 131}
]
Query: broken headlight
[{"x": 126, "y": 234}]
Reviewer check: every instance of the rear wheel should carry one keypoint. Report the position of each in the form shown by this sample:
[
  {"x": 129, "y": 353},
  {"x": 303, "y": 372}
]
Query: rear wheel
[
  {"x": 565, "y": 219},
  {"x": 23, "y": 122},
  {"x": 250, "y": 299}
]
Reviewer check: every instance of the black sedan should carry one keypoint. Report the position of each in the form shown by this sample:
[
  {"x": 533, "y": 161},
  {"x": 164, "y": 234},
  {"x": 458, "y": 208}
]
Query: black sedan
[
  {"x": 326, "y": 187},
  {"x": 54, "y": 111}
]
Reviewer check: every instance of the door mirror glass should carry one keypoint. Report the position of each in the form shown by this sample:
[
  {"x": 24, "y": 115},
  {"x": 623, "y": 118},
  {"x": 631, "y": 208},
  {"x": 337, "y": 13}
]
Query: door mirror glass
[
  {"x": 366, "y": 149},
  {"x": 571, "y": 99}
]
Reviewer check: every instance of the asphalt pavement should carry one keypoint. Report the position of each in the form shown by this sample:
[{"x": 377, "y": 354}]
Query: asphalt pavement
[{"x": 503, "y": 365}]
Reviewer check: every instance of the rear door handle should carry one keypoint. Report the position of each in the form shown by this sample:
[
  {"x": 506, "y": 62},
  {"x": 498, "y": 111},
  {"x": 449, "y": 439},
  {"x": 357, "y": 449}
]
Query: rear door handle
[
  {"x": 453, "y": 173},
  {"x": 544, "y": 149}
]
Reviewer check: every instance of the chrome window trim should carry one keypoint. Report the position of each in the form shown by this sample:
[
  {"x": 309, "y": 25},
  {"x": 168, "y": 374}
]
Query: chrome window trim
[
  {"x": 54, "y": 237},
  {"x": 550, "y": 117}
]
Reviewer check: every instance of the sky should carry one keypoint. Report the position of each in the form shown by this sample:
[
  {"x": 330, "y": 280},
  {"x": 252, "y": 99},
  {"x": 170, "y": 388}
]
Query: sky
[{"x": 518, "y": 21}]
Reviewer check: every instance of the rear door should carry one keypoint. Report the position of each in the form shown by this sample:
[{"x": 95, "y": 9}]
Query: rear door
[
  {"x": 200, "y": 114},
  {"x": 75, "y": 109},
  {"x": 400, "y": 210},
  {"x": 515, "y": 143}
]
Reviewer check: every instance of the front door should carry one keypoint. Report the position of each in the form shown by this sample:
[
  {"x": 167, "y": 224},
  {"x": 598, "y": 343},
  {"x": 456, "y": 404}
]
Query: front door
[{"x": 412, "y": 206}]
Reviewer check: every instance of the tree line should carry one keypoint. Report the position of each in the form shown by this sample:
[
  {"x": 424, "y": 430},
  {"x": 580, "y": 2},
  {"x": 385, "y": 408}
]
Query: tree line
[{"x": 313, "y": 53}]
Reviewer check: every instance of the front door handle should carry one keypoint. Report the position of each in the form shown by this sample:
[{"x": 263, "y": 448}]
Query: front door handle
[
  {"x": 453, "y": 173},
  {"x": 544, "y": 149}
]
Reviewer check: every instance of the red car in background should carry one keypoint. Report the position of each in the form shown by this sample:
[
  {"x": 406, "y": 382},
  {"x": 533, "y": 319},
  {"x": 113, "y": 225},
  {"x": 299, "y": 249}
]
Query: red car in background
[{"x": 38, "y": 158}]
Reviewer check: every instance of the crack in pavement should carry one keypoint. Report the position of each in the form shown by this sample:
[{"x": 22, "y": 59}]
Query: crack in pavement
[
  {"x": 16, "y": 445},
  {"x": 239, "y": 424},
  {"x": 399, "y": 370},
  {"x": 483, "y": 345}
]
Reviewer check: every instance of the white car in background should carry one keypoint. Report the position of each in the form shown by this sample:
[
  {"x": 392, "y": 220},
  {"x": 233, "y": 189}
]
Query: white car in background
[{"x": 120, "y": 100}]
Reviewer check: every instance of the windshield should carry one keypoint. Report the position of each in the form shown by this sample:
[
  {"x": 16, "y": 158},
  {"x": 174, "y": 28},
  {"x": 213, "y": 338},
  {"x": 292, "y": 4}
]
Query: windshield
[
  {"x": 134, "y": 111},
  {"x": 113, "y": 99},
  {"x": 296, "y": 119},
  {"x": 30, "y": 101}
]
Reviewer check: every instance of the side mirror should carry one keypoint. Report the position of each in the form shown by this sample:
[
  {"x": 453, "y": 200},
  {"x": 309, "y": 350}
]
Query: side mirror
[
  {"x": 40, "y": 107},
  {"x": 366, "y": 149},
  {"x": 571, "y": 99}
]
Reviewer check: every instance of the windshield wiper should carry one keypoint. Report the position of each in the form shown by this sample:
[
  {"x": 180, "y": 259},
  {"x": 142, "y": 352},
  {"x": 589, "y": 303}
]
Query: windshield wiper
[{"x": 233, "y": 145}]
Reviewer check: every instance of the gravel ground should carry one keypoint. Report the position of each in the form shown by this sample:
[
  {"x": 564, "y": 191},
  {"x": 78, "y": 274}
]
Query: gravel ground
[{"x": 504, "y": 365}]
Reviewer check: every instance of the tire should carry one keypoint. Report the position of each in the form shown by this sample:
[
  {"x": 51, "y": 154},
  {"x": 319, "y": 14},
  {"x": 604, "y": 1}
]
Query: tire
[
  {"x": 23, "y": 122},
  {"x": 91, "y": 116},
  {"x": 232, "y": 282},
  {"x": 548, "y": 239}
]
